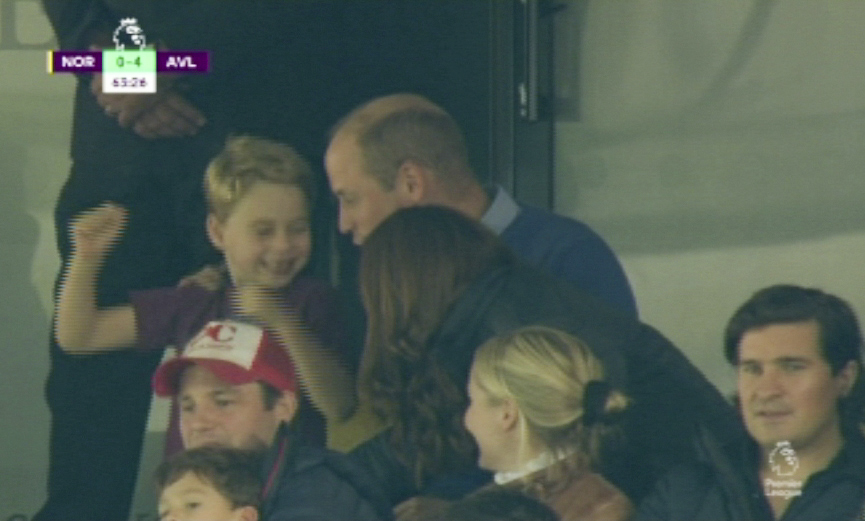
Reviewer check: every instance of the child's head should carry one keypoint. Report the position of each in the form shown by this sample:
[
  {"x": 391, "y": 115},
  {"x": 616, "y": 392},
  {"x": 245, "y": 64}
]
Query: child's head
[
  {"x": 537, "y": 389},
  {"x": 210, "y": 484},
  {"x": 260, "y": 195}
]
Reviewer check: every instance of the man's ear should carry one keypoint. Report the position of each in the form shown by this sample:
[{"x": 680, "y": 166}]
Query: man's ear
[
  {"x": 286, "y": 406},
  {"x": 847, "y": 377},
  {"x": 215, "y": 231},
  {"x": 412, "y": 183}
]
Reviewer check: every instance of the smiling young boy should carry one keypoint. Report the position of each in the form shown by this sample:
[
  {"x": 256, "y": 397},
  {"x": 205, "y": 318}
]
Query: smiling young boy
[{"x": 260, "y": 194}]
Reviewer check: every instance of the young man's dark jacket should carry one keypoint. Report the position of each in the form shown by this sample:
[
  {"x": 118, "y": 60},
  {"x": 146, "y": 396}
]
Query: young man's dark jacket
[
  {"x": 305, "y": 483},
  {"x": 724, "y": 486},
  {"x": 670, "y": 396}
]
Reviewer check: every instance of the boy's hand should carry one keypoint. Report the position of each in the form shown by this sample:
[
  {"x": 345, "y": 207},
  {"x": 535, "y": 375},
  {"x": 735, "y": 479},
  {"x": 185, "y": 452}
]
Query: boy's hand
[
  {"x": 212, "y": 277},
  {"x": 259, "y": 302},
  {"x": 94, "y": 232}
]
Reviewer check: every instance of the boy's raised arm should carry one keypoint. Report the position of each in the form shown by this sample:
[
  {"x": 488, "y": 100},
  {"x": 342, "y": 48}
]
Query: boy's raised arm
[{"x": 80, "y": 326}]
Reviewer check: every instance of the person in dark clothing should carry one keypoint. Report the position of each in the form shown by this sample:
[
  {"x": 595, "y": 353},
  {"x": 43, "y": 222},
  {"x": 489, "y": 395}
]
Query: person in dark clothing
[
  {"x": 99, "y": 404},
  {"x": 800, "y": 392},
  {"x": 312, "y": 484},
  {"x": 436, "y": 285}
]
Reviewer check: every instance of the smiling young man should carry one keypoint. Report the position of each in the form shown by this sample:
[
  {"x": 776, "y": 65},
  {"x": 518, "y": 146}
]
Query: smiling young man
[
  {"x": 237, "y": 388},
  {"x": 800, "y": 391}
]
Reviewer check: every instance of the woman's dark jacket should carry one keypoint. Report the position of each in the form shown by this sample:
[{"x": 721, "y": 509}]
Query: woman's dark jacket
[
  {"x": 670, "y": 397},
  {"x": 305, "y": 483}
]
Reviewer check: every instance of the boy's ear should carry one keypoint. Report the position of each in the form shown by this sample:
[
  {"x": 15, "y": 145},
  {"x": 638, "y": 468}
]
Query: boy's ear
[
  {"x": 412, "y": 183},
  {"x": 247, "y": 513},
  {"x": 215, "y": 232}
]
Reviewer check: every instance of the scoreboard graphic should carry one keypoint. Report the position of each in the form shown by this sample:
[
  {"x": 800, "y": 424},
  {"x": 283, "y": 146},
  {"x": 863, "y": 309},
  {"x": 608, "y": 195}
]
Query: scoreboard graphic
[{"x": 131, "y": 67}]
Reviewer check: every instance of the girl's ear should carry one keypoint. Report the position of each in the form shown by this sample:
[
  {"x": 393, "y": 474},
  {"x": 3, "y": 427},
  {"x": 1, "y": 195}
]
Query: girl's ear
[
  {"x": 215, "y": 232},
  {"x": 509, "y": 415}
]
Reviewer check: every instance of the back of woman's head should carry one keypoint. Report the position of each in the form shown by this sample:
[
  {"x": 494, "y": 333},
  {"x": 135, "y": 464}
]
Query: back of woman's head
[
  {"x": 557, "y": 384},
  {"x": 414, "y": 266}
]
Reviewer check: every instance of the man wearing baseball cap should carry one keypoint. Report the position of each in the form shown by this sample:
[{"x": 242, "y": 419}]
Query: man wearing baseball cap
[{"x": 236, "y": 387}]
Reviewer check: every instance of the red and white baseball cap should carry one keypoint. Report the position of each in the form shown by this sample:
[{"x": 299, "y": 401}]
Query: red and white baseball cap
[{"x": 235, "y": 352}]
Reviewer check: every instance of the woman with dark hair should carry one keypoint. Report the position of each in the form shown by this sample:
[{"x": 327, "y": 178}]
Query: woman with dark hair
[
  {"x": 436, "y": 285},
  {"x": 413, "y": 269}
]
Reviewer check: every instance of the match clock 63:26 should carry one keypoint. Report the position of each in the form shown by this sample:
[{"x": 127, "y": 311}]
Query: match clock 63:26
[{"x": 130, "y": 72}]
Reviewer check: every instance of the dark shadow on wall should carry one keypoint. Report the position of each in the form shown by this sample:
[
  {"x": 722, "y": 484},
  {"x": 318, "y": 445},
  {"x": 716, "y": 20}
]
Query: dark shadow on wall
[{"x": 23, "y": 346}]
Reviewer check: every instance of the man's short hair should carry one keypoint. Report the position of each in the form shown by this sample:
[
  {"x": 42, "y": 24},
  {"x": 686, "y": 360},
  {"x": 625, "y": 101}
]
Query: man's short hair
[
  {"x": 247, "y": 160},
  {"x": 430, "y": 138},
  {"x": 499, "y": 505},
  {"x": 840, "y": 336},
  {"x": 234, "y": 473}
]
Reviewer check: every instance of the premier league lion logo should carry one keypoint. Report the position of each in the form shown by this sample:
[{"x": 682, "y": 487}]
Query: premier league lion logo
[
  {"x": 783, "y": 460},
  {"x": 129, "y": 33}
]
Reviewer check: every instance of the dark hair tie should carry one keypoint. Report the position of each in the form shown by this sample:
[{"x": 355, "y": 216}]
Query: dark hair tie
[{"x": 595, "y": 401}]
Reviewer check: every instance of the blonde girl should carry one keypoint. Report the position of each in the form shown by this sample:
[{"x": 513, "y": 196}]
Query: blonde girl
[{"x": 539, "y": 411}]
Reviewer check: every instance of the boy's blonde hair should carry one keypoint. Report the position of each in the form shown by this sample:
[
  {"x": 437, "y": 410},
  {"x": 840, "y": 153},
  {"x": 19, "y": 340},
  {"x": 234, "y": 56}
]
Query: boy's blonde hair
[
  {"x": 545, "y": 372},
  {"x": 246, "y": 160}
]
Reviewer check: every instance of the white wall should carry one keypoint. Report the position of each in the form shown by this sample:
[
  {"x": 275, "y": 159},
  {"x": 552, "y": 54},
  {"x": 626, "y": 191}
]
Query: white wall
[
  {"x": 35, "y": 115},
  {"x": 715, "y": 170},
  {"x": 35, "y": 122}
]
